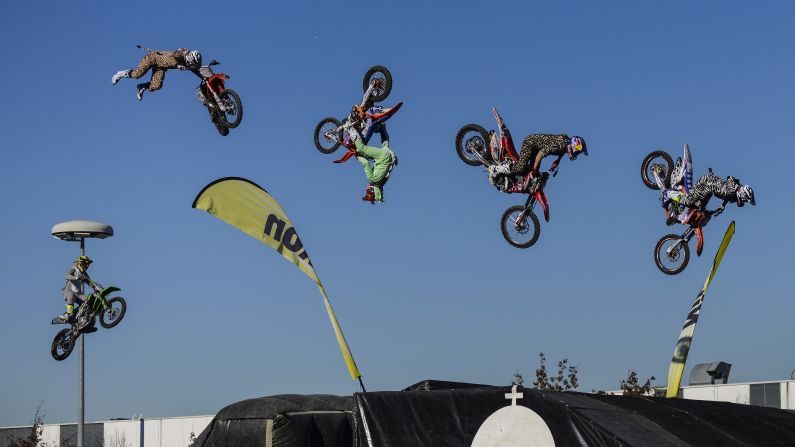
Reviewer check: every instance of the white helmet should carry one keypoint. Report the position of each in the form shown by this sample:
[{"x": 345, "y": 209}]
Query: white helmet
[
  {"x": 193, "y": 58},
  {"x": 745, "y": 194}
]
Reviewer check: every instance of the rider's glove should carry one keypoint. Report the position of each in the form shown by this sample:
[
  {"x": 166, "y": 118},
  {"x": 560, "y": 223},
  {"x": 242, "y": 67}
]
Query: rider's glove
[{"x": 181, "y": 67}]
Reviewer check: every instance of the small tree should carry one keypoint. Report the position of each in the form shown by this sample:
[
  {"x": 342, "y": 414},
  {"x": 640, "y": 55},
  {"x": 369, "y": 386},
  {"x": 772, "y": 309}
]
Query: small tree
[
  {"x": 564, "y": 380},
  {"x": 33, "y": 439},
  {"x": 631, "y": 387}
]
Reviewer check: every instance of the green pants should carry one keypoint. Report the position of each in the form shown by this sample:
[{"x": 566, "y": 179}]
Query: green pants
[{"x": 377, "y": 173}]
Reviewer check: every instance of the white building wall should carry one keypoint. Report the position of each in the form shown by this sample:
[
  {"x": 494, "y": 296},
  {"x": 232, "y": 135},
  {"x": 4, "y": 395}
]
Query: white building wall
[
  {"x": 173, "y": 432},
  {"x": 122, "y": 434},
  {"x": 51, "y": 434}
]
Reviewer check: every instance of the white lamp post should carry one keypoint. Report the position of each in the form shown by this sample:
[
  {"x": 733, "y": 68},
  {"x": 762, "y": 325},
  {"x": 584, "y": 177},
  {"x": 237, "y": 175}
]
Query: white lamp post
[{"x": 73, "y": 231}]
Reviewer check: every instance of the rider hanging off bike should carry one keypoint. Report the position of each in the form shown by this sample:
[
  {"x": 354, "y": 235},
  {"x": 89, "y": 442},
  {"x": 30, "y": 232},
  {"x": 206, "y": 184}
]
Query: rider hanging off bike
[
  {"x": 682, "y": 195},
  {"x": 360, "y": 127},
  {"x": 677, "y": 203},
  {"x": 535, "y": 148},
  {"x": 160, "y": 61},
  {"x": 355, "y": 131},
  {"x": 72, "y": 291}
]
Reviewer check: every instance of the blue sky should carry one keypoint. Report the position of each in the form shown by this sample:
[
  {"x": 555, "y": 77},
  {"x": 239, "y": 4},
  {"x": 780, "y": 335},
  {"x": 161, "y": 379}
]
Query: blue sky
[{"x": 424, "y": 286}]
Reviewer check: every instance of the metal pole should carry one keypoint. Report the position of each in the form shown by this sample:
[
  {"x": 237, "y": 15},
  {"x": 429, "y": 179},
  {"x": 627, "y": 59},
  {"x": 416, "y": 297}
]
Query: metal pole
[{"x": 81, "y": 378}]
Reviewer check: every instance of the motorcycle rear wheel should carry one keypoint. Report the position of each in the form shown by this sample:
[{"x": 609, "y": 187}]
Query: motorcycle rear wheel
[
  {"x": 62, "y": 344},
  {"x": 472, "y": 137},
  {"x": 112, "y": 315},
  {"x": 678, "y": 259},
  {"x": 645, "y": 169},
  {"x": 322, "y": 142},
  {"x": 378, "y": 71},
  {"x": 230, "y": 96},
  {"x": 515, "y": 234}
]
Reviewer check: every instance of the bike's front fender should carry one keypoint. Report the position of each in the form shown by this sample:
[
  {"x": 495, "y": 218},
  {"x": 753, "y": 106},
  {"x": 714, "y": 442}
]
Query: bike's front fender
[
  {"x": 542, "y": 199},
  {"x": 700, "y": 241},
  {"x": 107, "y": 291}
]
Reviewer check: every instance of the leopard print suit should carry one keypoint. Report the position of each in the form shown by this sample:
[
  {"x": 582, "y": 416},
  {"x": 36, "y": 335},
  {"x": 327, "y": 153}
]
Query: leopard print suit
[
  {"x": 534, "y": 144},
  {"x": 159, "y": 62}
]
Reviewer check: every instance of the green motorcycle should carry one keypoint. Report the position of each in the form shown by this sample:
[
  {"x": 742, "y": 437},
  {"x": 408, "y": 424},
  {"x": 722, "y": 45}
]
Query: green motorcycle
[{"x": 110, "y": 312}]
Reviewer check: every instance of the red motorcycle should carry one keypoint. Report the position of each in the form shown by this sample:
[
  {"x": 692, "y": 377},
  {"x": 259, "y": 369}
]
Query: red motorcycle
[
  {"x": 519, "y": 224},
  {"x": 223, "y": 104}
]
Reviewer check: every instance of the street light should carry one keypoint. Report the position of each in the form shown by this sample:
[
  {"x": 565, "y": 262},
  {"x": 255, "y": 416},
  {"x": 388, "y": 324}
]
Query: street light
[{"x": 73, "y": 231}]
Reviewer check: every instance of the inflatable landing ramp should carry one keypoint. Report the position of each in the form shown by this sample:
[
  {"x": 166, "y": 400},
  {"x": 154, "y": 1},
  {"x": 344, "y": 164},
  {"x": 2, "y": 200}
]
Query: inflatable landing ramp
[{"x": 440, "y": 414}]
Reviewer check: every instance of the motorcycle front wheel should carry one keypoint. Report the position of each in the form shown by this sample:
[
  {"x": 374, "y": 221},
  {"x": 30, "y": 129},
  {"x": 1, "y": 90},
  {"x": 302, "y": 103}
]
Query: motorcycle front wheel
[
  {"x": 676, "y": 261},
  {"x": 234, "y": 108},
  {"x": 521, "y": 233},
  {"x": 382, "y": 73},
  {"x": 62, "y": 344},
  {"x": 468, "y": 140},
  {"x": 656, "y": 158},
  {"x": 113, "y": 313},
  {"x": 222, "y": 129},
  {"x": 323, "y": 143}
]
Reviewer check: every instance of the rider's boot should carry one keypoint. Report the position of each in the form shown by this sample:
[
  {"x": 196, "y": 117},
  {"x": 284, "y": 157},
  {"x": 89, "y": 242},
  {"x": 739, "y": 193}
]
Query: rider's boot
[
  {"x": 120, "y": 74},
  {"x": 369, "y": 195},
  {"x": 141, "y": 89},
  {"x": 67, "y": 316}
]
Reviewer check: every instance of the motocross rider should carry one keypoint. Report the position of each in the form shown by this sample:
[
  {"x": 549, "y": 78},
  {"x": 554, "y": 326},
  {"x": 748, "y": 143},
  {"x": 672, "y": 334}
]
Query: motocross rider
[
  {"x": 383, "y": 158},
  {"x": 678, "y": 203},
  {"x": 535, "y": 147},
  {"x": 159, "y": 62},
  {"x": 72, "y": 291}
]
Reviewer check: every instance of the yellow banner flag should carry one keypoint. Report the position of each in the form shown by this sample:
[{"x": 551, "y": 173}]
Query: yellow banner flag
[
  {"x": 249, "y": 208},
  {"x": 677, "y": 367}
]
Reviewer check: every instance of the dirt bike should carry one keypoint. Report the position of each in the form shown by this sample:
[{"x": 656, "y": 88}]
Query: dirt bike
[
  {"x": 476, "y": 147},
  {"x": 658, "y": 171},
  {"x": 110, "y": 312},
  {"x": 519, "y": 224},
  {"x": 377, "y": 85},
  {"x": 672, "y": 253},
  {"x": 224, "y": 105}
]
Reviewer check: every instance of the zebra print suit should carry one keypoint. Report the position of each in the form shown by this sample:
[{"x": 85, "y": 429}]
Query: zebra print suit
[{"x": 710, "y": 185}]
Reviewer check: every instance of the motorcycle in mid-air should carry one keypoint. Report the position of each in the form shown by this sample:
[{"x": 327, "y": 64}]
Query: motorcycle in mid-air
[
  {"x": 109, "y": 310},
  {"x": 224, "y": 104},
  {"x": 377, "y": 85},
  {"x": 658, "y": 171},
  {"x": 519, "y": 224}
]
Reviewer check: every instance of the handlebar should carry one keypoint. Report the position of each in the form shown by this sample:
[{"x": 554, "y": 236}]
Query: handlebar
[{"x": 213, "y": 62}]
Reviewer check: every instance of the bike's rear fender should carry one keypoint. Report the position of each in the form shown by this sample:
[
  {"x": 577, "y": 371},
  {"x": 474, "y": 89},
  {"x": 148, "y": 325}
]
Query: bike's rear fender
[
  {"x": 387, "y": 113},
  {"x": 108, "y": 291}
]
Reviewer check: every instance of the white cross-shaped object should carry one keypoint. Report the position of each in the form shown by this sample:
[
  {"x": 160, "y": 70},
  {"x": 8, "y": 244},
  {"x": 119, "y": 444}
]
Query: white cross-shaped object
[{"x": 513, "y": 395}]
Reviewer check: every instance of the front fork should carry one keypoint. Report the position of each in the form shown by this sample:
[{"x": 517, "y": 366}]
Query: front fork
[
  {"x": 217, "y": 98},
  {"x": 686, "y": 236},
  {"x": 528, "y": 205}
]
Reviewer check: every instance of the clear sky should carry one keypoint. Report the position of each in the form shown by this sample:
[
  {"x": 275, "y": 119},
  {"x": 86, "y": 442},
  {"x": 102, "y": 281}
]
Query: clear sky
[{"x": 423, "y": 285}]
